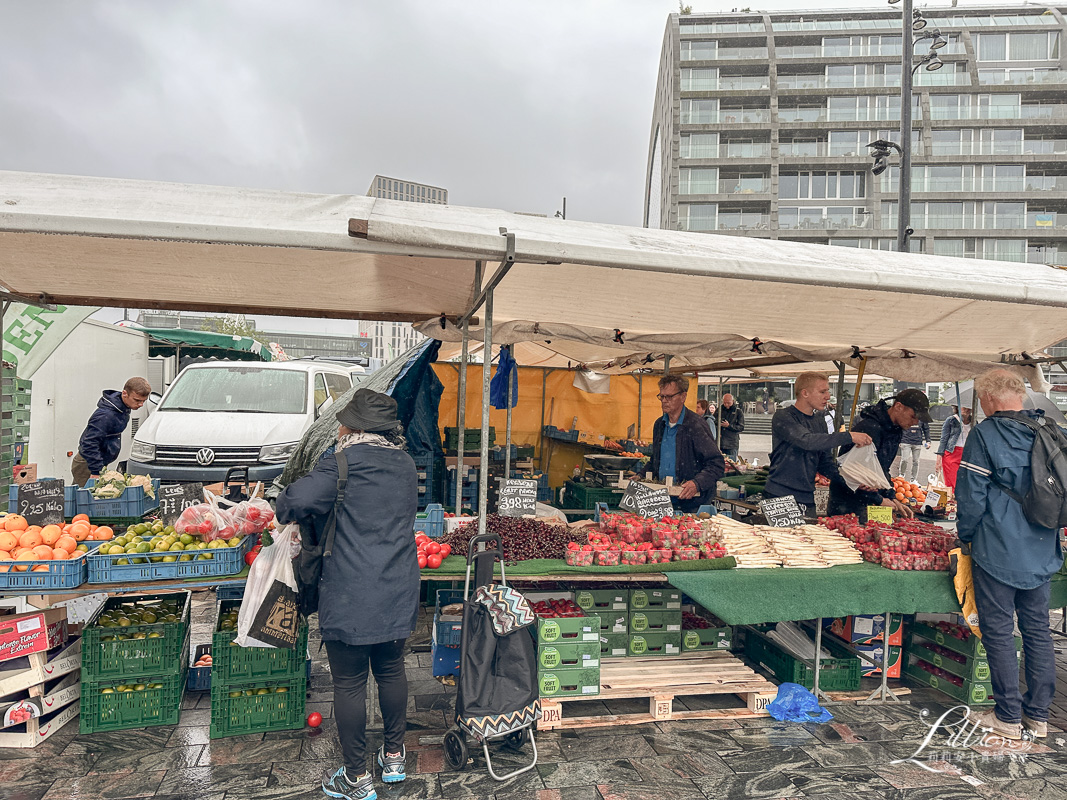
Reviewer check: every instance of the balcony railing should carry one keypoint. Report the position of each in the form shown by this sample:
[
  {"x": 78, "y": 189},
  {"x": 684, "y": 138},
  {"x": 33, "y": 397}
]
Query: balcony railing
[
  {"x": 726, "y": 83},
  {"x": 744, "y": 186},
  {"x": 1034, "y": 111},
  {"x": 1044, "y": 183},
  {"x": 723, "y": 53},
  {"x": 833, "y": 222}
]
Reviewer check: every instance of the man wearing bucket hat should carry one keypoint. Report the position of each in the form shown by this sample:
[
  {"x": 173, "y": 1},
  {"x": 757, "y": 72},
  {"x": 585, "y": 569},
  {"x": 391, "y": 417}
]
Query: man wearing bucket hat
[
  {"x": 369, "y": 590},
  {"x": 885, "y": 424}
]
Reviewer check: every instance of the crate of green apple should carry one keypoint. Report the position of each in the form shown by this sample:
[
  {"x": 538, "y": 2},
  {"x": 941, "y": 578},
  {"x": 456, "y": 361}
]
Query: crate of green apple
[{"x": 154, "y": 551}]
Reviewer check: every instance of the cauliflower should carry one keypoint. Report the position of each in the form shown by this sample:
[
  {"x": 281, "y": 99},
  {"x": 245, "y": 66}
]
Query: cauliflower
[{"x": 143, "y": 481}]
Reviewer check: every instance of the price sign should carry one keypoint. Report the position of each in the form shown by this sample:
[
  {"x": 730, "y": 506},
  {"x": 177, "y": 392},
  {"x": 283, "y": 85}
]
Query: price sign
[
  {"x": 653, "y": 502},
  {"x": 41, "y": 502},
  {"x": 518, "y": 496},
  {"x": 175, "y": 498},
  {"x": 782, "y": 512},
  {"x": 880, "y": 514}
]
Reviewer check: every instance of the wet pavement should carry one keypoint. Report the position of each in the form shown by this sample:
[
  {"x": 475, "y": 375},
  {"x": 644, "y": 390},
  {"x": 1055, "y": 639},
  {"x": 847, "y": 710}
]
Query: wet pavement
[{"x": 851, "y": 757}]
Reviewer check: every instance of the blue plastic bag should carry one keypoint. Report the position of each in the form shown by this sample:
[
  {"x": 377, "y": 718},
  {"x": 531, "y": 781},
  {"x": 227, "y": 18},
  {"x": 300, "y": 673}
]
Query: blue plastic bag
[{"x": 794, "y": 703}]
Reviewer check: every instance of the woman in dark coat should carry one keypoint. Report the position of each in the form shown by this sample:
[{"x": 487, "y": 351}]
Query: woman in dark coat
[{"x": 369, "y": 591}]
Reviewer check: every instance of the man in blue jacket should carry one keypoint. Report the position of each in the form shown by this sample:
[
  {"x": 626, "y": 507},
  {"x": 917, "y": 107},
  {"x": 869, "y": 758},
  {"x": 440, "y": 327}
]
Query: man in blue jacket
[
  {"x": 102, "y": 439},
  {"x": 1013, "y": 560},
  {"x": 683, "y": 448}
]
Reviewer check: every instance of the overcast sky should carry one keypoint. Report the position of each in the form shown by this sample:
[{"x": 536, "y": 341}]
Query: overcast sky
[{"x": 506, "y": 104}]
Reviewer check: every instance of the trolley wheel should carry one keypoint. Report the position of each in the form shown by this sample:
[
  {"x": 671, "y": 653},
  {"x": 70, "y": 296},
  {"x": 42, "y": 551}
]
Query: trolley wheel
[
  {"x": 516, "y": 739},
  {"x": 456, "y": 753}
]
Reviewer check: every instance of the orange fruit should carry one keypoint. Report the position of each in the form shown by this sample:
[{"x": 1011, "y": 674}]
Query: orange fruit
[
  {"x": 41, "y": 568},
  {"x": 50, "y": 534},
  {"x": 900, "y": 495},
  {"x": 59, "y": 554},
  {"x": 80, "y": 518},
  {"x": 80, "y": 530},
  {"x": 5, "y": 557},
  {"x": 43, "y": 552},
  {"x": 15, "y": 523},
  {"x": 67, "y": 543},
  {"x": 104, "y": 534},
  {"x": 8, "y": 541},
  {"x": 26, "y": 555},
  {"x": 30, "y": 539}
]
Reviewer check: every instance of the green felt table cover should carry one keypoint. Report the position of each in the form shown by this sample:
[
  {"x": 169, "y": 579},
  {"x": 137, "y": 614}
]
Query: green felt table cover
[
  {"x": 751, "y": 596},
  {"x": 457, "y": 565}
]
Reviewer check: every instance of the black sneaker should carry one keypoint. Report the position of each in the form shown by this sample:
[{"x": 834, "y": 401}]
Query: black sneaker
[
  {"x": 340, "y": 786},
  {"x": 392, "y": 766}
]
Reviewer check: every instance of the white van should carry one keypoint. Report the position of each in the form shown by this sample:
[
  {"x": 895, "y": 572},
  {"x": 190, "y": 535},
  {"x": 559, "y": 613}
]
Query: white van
[{"x": 234, "y": 414}]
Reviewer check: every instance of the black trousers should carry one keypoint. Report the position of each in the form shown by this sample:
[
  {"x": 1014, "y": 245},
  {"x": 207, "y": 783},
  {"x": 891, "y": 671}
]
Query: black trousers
[{"x": 349, "y": 665}]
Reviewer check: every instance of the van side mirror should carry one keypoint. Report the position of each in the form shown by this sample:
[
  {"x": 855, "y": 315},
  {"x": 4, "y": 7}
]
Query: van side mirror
[{"x": 154, "y": 398}]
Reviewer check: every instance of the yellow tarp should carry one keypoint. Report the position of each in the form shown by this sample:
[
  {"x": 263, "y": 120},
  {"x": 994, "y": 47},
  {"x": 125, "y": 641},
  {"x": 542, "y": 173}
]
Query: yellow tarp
[{"x": 609, "y": 414}]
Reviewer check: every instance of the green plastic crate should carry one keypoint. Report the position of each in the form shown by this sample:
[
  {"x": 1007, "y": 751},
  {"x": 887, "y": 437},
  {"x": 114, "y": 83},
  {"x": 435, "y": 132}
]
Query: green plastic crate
[
  {"x": 578, "y": 495},
  {"x": 234, "y": 716},
  {"x": 973, "y": 693},
  {"x": 125, "y": 659},
  {"x": 17, "y": 400},
  {"x": 117, "y": 711},
  {"x": 839, "y": 674},
  {"x": 232, "y": 663}
]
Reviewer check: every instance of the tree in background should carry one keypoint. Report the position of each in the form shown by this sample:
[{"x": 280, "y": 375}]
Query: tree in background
[{"x": 235, "y": 325}]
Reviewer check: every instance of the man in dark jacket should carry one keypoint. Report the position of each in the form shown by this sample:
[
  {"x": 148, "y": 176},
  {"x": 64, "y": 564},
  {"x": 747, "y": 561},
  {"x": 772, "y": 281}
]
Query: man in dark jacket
[
  {"x": 369, "y": 590},
  {"x": 1013, "y": 560},
  {"x": 800, "y": 445},
  {"x": 885, "y": 424},
  {"x": 101, "y": 441},
  {"x": 732, "y": 423},
  {"x": 911, "y": 443},
  {"x": 683, "y": 448}
]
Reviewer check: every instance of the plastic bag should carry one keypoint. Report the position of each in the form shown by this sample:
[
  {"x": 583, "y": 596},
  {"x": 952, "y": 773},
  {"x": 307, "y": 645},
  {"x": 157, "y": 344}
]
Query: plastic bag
[
  {"x": 252, "y": 516},
  {"x": 794, "y": 703},
  {"x": 860, "y": 467},
  {"x": 207, "y": 522},
  {"x": 269, "y": 615}
]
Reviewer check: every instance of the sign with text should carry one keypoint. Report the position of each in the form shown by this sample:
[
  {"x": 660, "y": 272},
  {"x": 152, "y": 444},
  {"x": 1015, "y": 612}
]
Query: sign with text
[
  {"x": 41, "y": 502},
  {"x": 175, "y": 498},
  {"x": 653, "y": 502},
  {"x": 782, "y": 512},
  {"x": 518, "y": 496},
  {"x": 880, "y": 514}
]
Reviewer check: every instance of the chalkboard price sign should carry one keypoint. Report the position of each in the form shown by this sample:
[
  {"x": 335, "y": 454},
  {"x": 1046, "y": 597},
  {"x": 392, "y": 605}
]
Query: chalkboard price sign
[
  {"x": 175, "y": 498},
  {"x": 652, "y": 502},
  {"x": 518, "y": 496},
  {"x": 782, "y": 512},
  {"x": 41, "y": 502}
]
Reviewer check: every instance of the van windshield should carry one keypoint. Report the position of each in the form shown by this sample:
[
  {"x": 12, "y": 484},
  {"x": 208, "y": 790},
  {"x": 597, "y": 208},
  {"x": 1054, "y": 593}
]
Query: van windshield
[{"x": 239, "y": 389}]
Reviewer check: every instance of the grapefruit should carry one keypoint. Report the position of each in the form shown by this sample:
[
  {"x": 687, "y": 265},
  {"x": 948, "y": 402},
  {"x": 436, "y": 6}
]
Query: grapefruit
[
  {"x": 80, "y": 518},
  {"x": 104, "y": 534},
  {"x": 43, "y": 552},
  {"x": 79, "y": 530},
  {"x": 30, "y": 539},
  {"x": 50, "y": 534},
  {"x": 15, "y": 523},
  {"x": 67, "y": 543},
  {"x": 8, "y": 541}
]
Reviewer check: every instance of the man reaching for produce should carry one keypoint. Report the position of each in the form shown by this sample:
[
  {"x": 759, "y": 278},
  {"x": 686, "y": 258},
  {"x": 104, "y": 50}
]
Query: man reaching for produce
[
  {"x": 800, "y": 445},
  {"x": 102, "y": 439},
  {"x": 683, "y": 448},
  {"x": 885, "y": 424}
]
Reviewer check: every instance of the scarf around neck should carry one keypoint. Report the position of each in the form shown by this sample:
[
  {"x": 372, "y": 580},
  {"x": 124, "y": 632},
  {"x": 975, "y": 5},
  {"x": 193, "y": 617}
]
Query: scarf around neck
[{"x": 363, "y": 437}]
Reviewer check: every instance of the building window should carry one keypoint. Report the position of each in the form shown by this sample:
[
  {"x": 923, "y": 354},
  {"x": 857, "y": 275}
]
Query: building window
[
  {"x": 822, "y": 185},
  {"x": 696, "y": 50},
  {"x": 1018, "y": 46},
  {"x": 699, "y": 112},
  {"x": 699, "y": 145},
  {"x": 698, "y": 180}
]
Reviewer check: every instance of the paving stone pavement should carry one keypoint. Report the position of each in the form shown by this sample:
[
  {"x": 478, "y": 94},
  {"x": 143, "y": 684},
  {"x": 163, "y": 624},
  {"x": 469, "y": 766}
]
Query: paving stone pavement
[{"x": 851, "y": 757}]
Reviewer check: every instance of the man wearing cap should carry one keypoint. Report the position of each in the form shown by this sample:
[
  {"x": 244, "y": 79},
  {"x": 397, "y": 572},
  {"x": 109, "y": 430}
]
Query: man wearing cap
[{"x": 885, "y": 424}]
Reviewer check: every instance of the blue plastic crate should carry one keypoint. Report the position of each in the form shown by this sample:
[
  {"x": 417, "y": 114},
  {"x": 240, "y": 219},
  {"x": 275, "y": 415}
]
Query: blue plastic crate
[
  {"x": 231, "y": 592},
  {"x": 70, "y": 494},
  {"x": 447, "y": 633},
  {"x": 66, "y": 574},
  {"x": 431, "y": 521},
  {"x": 500, "y": 453},
  {"x": 545, "y": 495},
  {"x": 199, "y": 679},
  {"x": 540, "y": 477},
  {"x": 132, "y": 503},
  {"x": 445, "y": 660},
  {"x": 224, "y": 561}
]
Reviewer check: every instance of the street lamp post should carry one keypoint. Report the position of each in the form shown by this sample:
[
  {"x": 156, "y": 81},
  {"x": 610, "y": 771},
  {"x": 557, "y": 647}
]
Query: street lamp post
[{"x": 907, "y": 76}]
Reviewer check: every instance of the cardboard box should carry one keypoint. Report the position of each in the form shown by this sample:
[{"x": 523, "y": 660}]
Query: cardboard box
[
  {"x": 655, "y": 621},
  {"x": 655, "y": 600},
  {"x": 655, "y": 644},
  {"x": 875, "y": 652},
  {"x": 36, "y": 632},
  {"x": 563, "y": 630},
  {"x": 601, "y": 599},
  {"x": 867, "y": 628},
  {"x": 568, "y": 656},
  {"x": 568, "y": 682},
  {"x": 707, "y": 639},
  {"x": 612, "y": 621},
  {"x": 614, "y": 645},
  {"x": 21, "y": 673},
  {"x": 24, "y": 473},
  {"x": 56, "y": 709}
]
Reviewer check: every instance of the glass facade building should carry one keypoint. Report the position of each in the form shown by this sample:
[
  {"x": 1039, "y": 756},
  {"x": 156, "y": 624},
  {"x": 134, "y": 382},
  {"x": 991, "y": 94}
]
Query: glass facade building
[
  {"x": 393, "y": 189},
  {"x": 762, "y": 120}
]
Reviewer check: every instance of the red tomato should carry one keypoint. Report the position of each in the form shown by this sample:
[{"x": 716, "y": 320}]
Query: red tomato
[
  {"x": 422, "y": 538},
  {"x": 446, "y": 551},
  {"x": 433, "y": 547},
  {"x": 314, "y": 719},
  {"x": 433, "y": 561},
  {"x": 422, "y": 561}
]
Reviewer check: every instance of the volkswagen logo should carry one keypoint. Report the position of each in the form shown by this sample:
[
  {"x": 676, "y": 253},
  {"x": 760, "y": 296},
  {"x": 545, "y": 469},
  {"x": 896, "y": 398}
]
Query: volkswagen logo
[{"x": 204, "y": 456}]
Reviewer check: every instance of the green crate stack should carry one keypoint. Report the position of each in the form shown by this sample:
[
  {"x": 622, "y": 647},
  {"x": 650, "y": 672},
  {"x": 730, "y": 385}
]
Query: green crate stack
[
  {"x": 14, "y": 426},
  {"x": 135, "y": 660},
  {"x": 956, "y": 667},
  {"x": 580, "y": 495},
  {"x": 841, "y": 673},
  {"x": 472, "y": 438},
  {"x": 568, "y": 656},
  {"x": 255, "y": 689}
]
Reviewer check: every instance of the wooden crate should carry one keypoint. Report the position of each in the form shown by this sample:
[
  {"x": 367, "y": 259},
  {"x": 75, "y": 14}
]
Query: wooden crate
[{"x": 662, "y": 679}]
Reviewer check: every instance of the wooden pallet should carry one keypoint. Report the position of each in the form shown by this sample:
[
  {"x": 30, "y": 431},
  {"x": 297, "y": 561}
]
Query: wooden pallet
[{"x": 661, "y": 680}]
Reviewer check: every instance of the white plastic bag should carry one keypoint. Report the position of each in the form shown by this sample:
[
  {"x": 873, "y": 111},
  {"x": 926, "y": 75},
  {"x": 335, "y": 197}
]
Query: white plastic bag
[
  {"x": 269, "y": 615},
  {"x": 860, "y": 467}
]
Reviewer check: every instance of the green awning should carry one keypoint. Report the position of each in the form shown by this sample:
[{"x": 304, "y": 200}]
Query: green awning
[{"x": 204, "y": 344}]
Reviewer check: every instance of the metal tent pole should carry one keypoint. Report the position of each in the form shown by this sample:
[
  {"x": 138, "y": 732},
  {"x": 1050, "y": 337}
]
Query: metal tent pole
[
  {"x": 507, "y": 443},
  {"x": 487, "y": 363},
  {"x": 461, "y": 415}
]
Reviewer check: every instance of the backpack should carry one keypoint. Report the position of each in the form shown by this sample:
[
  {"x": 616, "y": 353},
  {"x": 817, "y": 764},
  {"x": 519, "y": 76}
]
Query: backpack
[
  {"x": 1045, "y": 502},
  {"x": 312, "y": 554}
]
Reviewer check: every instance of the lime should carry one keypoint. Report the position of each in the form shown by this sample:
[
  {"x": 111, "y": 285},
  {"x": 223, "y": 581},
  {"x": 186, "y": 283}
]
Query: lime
[
  {"x": 177, "y": 547},
  {"x": 122, "y": 562},
  {"x": 186, "y": 539},
  {"x": 155, "y": 635},
  {"x": 124, "y": 622},
  {"x": 201, "y": 545},
  {"x": 249, "y": 693},
  {"x": 140, "y": 687},
  {"x": 170, "y": 559},
  {"x": 143, "y": 547},
  {"x": 82, "y": 548},
  {"x": 281, "y": 690},
  {"x": 234, "y": 694},
  {"x": 185, "y": 557},
  {"x": 107, "y": 691},
  {"x": 236, "y": 540},
  {"x": 149, "y": 617},
  {"x": 262, "y": 691}
]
